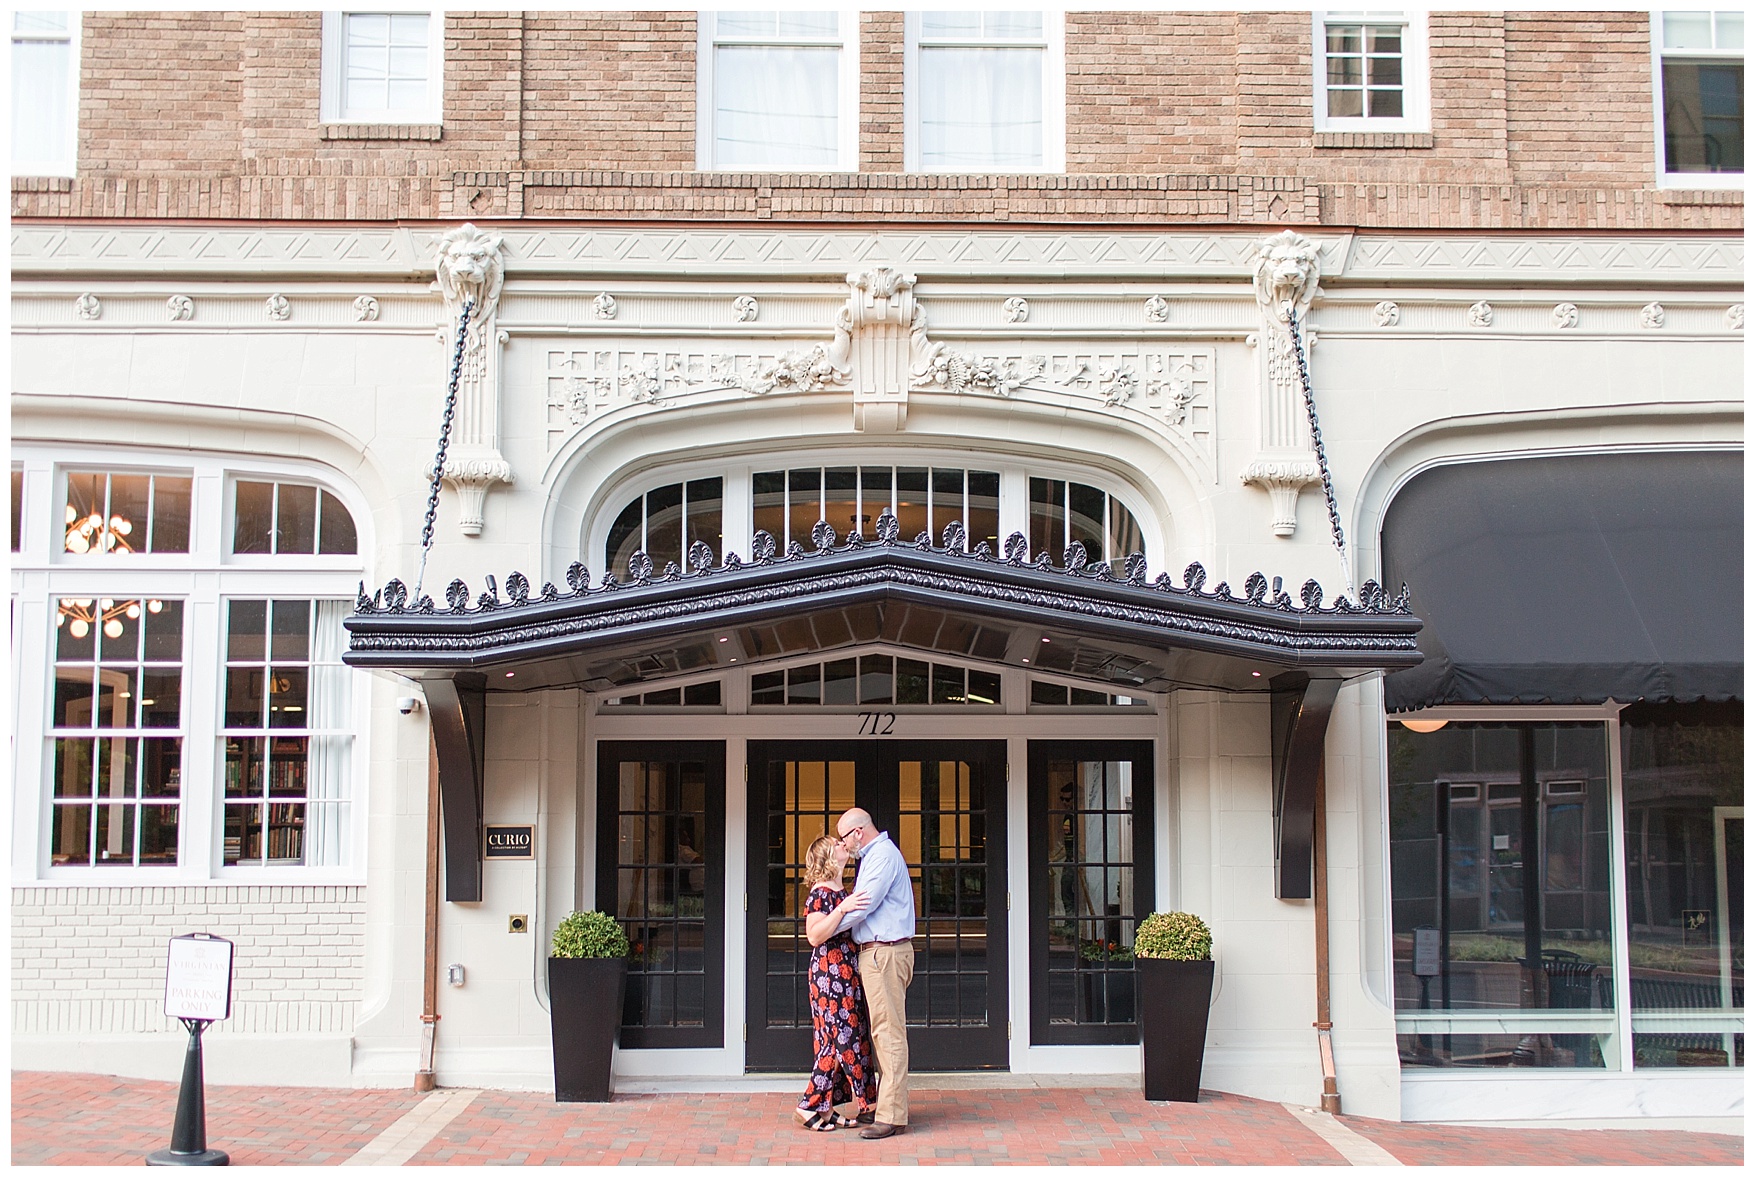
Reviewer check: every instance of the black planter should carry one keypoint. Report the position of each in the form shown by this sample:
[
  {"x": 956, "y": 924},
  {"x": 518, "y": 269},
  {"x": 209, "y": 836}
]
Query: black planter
[
  {"x": 585, "y": 1014},
  {"x": 1174, "y": 997}
]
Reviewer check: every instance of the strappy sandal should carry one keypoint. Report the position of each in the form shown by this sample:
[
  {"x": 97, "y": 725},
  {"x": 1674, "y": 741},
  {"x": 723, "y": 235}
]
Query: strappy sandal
[{"x": 817, "y": 1121}]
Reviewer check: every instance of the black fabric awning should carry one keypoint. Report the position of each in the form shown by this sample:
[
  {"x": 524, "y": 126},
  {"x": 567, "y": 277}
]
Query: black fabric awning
[{"x": 1572, "y": 579}]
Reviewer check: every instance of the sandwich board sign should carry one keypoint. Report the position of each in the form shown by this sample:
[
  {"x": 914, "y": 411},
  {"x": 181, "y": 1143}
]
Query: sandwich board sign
[{"x": 198, "y": 978}]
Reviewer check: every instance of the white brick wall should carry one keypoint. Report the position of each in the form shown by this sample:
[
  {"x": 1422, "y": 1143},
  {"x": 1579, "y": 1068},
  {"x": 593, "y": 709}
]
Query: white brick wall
[{"x": 90, "y": 960}]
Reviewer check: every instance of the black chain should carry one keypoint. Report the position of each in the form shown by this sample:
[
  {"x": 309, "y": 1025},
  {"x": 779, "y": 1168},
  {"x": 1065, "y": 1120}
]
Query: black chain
[
  {"x": 426, "y": 534},
  {"x": 1328, "y": 486}
]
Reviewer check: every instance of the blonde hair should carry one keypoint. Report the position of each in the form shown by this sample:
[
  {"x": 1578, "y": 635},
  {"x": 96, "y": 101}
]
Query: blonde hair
[{"x": 819, "y": 862}]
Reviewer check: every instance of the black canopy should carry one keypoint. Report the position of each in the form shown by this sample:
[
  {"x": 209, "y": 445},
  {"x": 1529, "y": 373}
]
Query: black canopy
[{"x": 1572, "y": 579}]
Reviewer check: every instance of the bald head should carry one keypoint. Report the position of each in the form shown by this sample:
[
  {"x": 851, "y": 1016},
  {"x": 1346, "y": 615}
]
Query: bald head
[{"x": 854, "y": 819}]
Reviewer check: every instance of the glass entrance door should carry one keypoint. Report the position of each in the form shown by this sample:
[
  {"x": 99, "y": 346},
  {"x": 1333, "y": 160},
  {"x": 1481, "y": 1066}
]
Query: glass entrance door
[{"x": 944, "y": 804}]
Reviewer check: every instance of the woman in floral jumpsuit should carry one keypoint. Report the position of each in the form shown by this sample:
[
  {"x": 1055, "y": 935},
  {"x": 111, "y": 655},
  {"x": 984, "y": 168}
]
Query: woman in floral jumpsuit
[{"x": 841, "y": 1029}]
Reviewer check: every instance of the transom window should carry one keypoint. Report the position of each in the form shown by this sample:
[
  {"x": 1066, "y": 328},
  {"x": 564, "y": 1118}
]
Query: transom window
[
  {"x": 879, "y": 679},
  {"x": 1053, "y": 694},
  {"x": 985, "y": 92},
  {"x": 117, "y": 514},
  {"x": 1371, "y": 71},
  {"x": 382, "y": 67},
  {"x": 1701, "y": 117},
  {"x": 665, "y": 523},
  {"x": 778, "y": 91},
  {"x": 788, "y": 503},
  {"x": 286, "y": 518}
]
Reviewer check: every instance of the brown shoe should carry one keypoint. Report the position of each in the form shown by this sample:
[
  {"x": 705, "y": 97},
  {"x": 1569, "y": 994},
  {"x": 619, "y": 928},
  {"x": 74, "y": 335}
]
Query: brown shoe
[{"x": 879, "y": 1130}]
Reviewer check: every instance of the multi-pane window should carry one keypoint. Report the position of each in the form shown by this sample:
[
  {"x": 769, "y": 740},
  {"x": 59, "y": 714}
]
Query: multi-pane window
[
  {"x": 45, "y": 92},
  {"x": 777, "y": 91},
  {"x": 666, "y": 522},
  {"x": 983, "y": 92},
  {"x": 1702, "y": 91},
  {"x": 874, "y": 679},
  {"x": 17, "y": 510},
  {"x": 381, "y": 67},
  {"x": 1371, "y": 71},
  {"x": 788, "y": 503},
  {"x": 701, "y": 694},
  {"x": 286, "y": 736},
  {"x": 287, "y": 518},
  {"x": 116, "y": 514},
  {"x": 1066, "y": 513},
  {"x": 116, "y": 729},
  {"x": 1052, "y": 694}
]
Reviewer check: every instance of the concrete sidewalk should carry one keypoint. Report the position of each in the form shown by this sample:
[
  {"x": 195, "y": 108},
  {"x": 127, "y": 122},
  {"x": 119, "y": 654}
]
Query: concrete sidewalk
[{"x": 75, "y": 1119}]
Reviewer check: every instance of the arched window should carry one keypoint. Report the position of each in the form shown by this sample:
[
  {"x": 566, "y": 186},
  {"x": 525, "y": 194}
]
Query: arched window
[
  {"x": 666, "y": 522},
  {"x": 1064, "y": 513}
]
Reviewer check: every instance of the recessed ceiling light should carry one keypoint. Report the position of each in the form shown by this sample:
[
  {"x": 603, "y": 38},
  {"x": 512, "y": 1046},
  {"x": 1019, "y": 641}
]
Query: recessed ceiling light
[
  {"x": 734, "y": 659},
  {"x": 511, "y": 673},
  {"x": 1045, "y": 641},
  {"x": 1026, "y": 660},
  {"x": 725, "y": 639},
  {"x": 1255, "y": 674}
]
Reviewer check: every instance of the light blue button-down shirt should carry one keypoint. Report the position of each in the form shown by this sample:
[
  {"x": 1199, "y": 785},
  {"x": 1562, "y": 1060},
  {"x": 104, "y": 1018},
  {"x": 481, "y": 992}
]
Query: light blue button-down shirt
[{"x": 883, "y": 874}]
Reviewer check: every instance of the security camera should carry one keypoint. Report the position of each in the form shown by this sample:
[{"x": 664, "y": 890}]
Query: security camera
[{"x": 408, "y": 704}]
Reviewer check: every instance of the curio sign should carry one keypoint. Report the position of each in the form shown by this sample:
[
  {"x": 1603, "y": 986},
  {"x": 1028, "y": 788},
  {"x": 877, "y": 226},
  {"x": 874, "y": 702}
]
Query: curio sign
[{"x": 511, "y": 842}]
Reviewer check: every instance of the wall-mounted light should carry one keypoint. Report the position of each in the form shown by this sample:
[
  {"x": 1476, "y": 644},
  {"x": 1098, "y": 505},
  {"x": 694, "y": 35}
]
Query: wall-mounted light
[{"x": 1423, "y": 726}]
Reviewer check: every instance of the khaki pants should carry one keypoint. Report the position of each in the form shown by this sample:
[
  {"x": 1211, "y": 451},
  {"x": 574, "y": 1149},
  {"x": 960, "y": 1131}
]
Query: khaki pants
[{"x": 886, "y": 970}]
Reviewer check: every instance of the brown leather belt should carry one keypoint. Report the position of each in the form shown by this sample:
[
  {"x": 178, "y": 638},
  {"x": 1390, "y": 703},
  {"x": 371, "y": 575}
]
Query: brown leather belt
[{"x": 887, "y": 943}]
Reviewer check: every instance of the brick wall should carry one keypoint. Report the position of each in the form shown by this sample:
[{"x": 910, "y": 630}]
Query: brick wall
[
  {"x": 90, "y": 960},
  {"x": 1539, "y": 121}
]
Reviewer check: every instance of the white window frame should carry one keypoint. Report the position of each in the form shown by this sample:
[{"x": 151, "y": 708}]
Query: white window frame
[
  {"x": 1665, "y": 178},
  {"x": 331, "y": 107},
  {"x": 68, "y": 165},
  {"x": 205, "y": 578},
  {"x": 1053, "y": 45},
  {"x": 846, "y": 93},
  {"x": 1416, "y": 74}
]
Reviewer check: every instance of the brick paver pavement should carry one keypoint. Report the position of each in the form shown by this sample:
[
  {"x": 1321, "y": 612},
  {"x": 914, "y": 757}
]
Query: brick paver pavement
[{"x": 94, "y": 1119}]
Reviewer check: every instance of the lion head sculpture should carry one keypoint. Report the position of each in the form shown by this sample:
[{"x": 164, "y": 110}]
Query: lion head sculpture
[
  {"x": 469, "y": 267},
  {"x": 1287, "y": 267}
]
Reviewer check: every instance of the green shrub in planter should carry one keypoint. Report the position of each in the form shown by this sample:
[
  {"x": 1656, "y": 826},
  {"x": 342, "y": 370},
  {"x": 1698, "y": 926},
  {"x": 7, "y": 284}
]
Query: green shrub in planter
[
  {"x": 588, "y": 935},
  {"x": 1173, "y": 935},
  {"x": 1173, "y": 960},
  {"x": 587, "y": 979}
]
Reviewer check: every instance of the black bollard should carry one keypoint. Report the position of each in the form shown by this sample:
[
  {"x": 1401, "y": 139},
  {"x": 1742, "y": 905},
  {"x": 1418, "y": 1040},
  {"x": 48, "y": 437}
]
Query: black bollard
[{"x": 189, "y": 1133}]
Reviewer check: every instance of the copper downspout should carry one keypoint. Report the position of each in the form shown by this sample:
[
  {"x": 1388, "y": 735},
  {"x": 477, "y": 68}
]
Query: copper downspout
[
  {"x": 424, "y": 1080},
  {"x": 1331, "y": 1094}
]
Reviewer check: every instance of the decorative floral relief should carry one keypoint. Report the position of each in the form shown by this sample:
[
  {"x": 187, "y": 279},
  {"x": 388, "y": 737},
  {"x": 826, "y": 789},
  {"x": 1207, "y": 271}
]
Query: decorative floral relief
[
  {"x": 954, "y": 371},
  {"x": 1157, "y": 309},
  {"x": 278, "y": 308},
  {"x": 1566, "y": 315},
  {"x": 365, "y": 309},
  {"x": 1386, "y": 314},
  {"x": 1651, "y": 316},
  {"x": 745, "y": 308},
  {"x": 1481, "y": 314},
  {"x": 88, "y": 307},
  {"x": 1734, "y": 316},
  {"x": 604, "y": 306},
  {"x": 1016, "y": 310},
  {"x": 179, "y": 307}
]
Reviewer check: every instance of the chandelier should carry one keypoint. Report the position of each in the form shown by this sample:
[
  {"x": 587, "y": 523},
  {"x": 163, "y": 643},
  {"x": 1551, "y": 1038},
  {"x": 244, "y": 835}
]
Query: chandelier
[
  {"x": 81, "y": 614},
  {"x": 91, "y": 533}
]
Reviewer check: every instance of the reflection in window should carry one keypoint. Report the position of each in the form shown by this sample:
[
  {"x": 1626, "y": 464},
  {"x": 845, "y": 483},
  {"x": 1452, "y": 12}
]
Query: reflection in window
[
  {"x": 116, "y": 727},
  {"x": 661, "y": 890},
  {"x": 1067, "y": 513},
  {"x": 665, "y": 523},
  {"x": 1499, "y": 845},
  {"x": 1682, "y": 778},
  {"x": 788, "y": 503},
  {"x": 286, "y": 518},
  {"x": 701, "y": 694},
  {"x": 286, "y": 737},
  {"x": 874, "y": 679},
  {"x": 1703, "y": 91},
  {"x": 17, "y": 510},
  {"x": 1049, "y": 694},
  {"x": 1090, "y": 884},
  {"x": 117, "y": 514}
]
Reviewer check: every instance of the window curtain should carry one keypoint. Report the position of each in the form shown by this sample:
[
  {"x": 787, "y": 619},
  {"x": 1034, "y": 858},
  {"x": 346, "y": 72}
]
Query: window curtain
[
  {"x": 330, "y": 707},
  {"x": 775, "y": 107},
  {"x": 980, "y": 109},
  {"x": 42, "y": 82}
]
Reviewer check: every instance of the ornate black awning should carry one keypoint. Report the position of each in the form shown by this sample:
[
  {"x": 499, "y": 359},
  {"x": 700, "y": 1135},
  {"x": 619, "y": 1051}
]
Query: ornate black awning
[{"x": 1127, "y": 633}]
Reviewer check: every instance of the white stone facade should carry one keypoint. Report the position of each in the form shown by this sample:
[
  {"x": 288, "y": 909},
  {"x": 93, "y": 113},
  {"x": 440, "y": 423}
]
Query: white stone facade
[{"x": 1183, "y": 415}]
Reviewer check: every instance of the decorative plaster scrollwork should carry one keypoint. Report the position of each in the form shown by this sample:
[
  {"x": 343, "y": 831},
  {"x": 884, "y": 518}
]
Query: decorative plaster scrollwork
[
  {"x": 365, "y": 309},
  {"x": 1481, "y": 314},
  {"x": 1117, "y": 384},
  {"x": 604, "y": 306},
  {"x": 1288, "y": 269},
  {"x": 1015, "y": 310},
  {"x": 88, "y": 308},
  {"x": 179, "y": 308},
  {"x": 1157, "y": 309},
  {"x": 745, "y": 308},
  {"x": 1651, "y": 316},
  {"x": 278, "y": 309},
  {"x": 956, "y": 372},
  {"x": 1386, "y": 314},
  {"x": 468, "y": 268},
  {"x": 1566, "y": 316},
  {"x": 1734, "y": 316}
]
